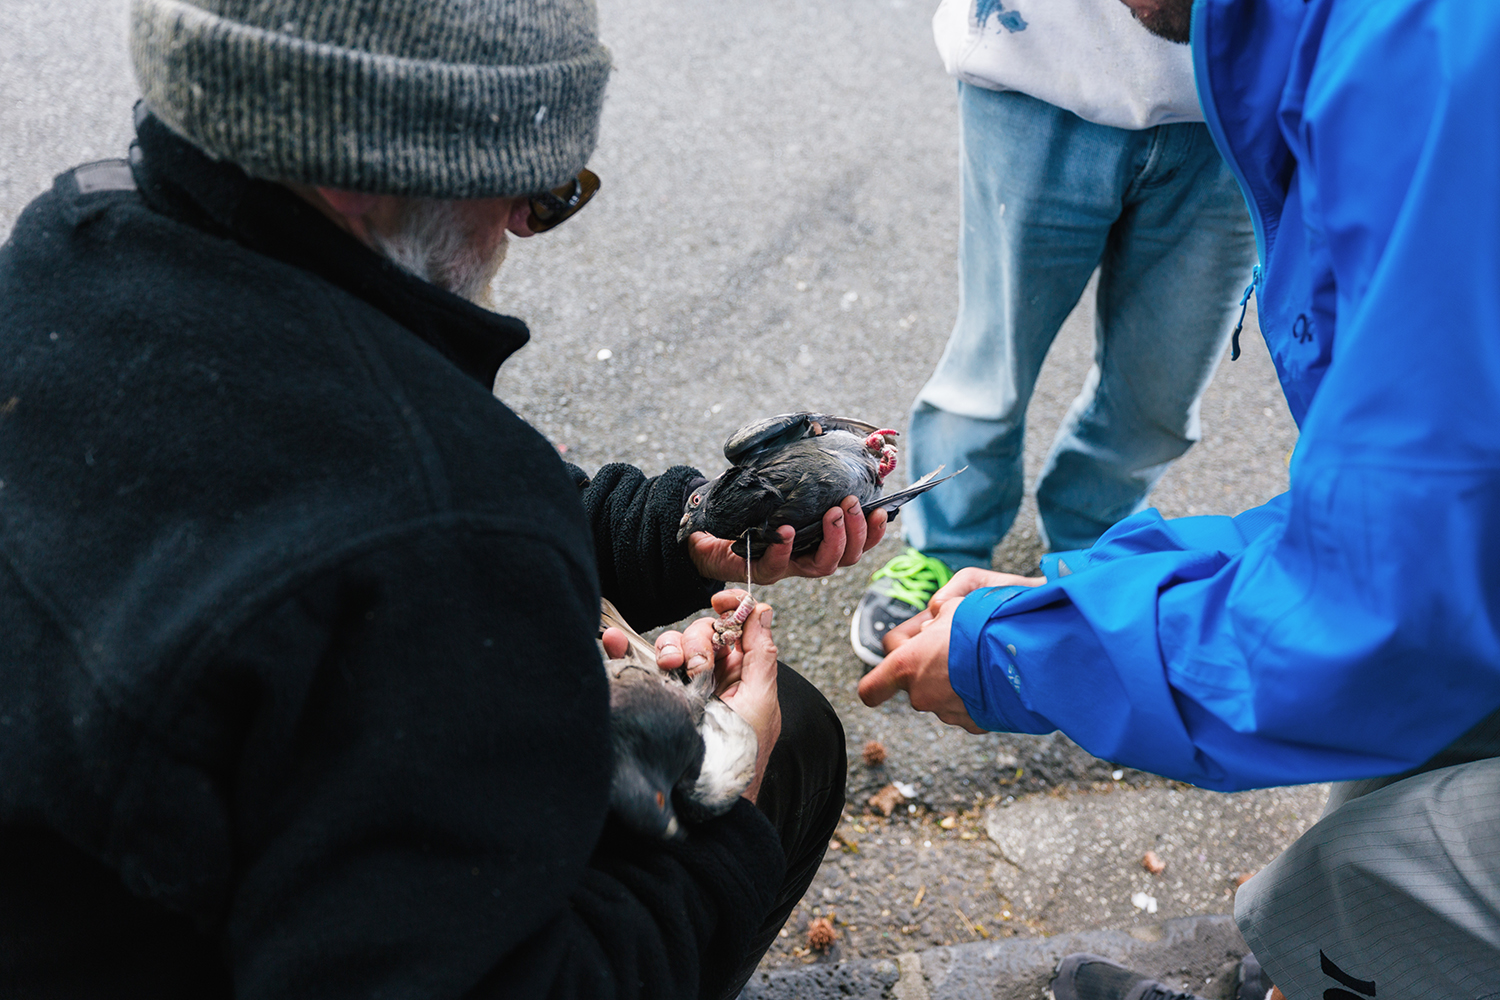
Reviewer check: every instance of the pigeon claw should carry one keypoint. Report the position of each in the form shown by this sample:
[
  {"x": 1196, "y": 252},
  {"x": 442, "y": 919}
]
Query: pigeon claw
[
  {"x": 726, "y": 634},
  {"x": 729, "y": 626},
  {"x": 883, "y": 443}
]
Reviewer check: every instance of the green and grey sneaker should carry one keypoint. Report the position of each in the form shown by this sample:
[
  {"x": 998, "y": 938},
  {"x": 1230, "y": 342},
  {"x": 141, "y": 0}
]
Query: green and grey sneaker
[{"x": 898, "y": 590}]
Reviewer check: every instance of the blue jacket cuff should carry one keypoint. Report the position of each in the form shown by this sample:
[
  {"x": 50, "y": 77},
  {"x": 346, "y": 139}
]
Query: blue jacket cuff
[{"x": 982, "y": 669}]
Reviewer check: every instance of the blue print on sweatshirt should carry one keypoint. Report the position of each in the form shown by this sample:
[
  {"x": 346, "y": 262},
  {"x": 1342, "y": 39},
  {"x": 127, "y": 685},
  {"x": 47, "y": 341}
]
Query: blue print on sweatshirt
[{"x": 1010, "y": 20}]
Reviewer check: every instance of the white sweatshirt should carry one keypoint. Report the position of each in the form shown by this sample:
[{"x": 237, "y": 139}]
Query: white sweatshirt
[{"x": 1090, "y": 57}]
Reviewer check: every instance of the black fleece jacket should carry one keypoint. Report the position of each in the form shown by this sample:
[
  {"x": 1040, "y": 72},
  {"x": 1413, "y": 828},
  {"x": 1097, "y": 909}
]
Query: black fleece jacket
[{"x": 299, "y": 694}]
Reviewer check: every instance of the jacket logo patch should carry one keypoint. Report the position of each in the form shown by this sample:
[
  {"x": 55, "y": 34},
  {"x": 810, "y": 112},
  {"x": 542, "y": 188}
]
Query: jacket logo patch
[
  {"x": 1010, "y": 20},
  {"x": 1302, "y": 329},
  {"x": 1363, "y": 988}
]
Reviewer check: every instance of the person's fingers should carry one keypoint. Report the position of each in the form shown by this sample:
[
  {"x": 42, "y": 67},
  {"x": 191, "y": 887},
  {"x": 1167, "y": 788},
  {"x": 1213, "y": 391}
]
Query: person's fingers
[
  {"x": 825, "y": 559},
  {"x": 698, "y": 646},
  {"x": 698, "y": 649},
  {"x": 754, "y": 696},
  {"x": 896, "y": 636},
  {"x": 898, "y": 672},
  {"x": 615, "y": 642},
  {"x": 727, "y": 599},
  {"x": 884, "y": 679},
  {"x": 759, "y": 665},
  {"x": 919, "y": 666},
  {"x": 970, "y": 579},
  {"x": 875, "y": 522},
  {"x": 960, "y": 720},
  {"x": 775, "y": 563},
  {"x": 669, "y": 655},
  {"x": 700, "y": 653},
  {"x": 848, "y": 533},
  {"x": 856, "y": 528},
  {"x": 965, "y": 581},
  {"x": 748, "y": 675},
  {"x": 941, "y": 701}
]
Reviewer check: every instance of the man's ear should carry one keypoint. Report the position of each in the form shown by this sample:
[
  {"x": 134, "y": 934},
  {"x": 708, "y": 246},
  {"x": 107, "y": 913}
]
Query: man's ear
[{"x": 350, "y": 204}]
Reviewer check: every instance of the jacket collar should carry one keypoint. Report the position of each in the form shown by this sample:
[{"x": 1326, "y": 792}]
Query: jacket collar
[{"x": 178, "y": 180}]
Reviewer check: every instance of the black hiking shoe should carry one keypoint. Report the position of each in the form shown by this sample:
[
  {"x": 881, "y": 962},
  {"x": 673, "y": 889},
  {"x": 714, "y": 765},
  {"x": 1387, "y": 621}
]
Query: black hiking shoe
[
  {"x": 1089, "y": 977},
  {"x": 1253, "y": 983}
]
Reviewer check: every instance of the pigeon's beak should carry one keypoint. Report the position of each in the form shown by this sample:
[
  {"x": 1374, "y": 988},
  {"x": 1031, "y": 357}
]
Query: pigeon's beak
[{"x": 684, "y": 527}]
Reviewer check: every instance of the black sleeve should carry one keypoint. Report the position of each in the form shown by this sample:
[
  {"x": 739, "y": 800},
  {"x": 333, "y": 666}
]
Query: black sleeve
[
  {"x": 643, "y": 568},
  {"x": 422, "y": 792},
  {"x": 627, "y": 932}
]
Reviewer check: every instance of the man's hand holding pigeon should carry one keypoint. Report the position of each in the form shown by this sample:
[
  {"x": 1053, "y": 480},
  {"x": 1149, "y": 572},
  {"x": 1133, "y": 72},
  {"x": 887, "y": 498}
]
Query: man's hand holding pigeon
[{"x": 848, "y": 533}]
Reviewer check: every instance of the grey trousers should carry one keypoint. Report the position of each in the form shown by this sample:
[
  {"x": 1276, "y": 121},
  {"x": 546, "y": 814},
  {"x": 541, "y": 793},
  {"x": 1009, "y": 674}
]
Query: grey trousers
[{"x": 1395, "y": 891}]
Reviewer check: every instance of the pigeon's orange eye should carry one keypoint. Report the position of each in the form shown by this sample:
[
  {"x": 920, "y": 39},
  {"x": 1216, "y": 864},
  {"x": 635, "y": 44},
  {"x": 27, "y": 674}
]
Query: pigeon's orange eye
[
  {"x": 661, "y": 800},
  {"x": 695, "y": 500}
]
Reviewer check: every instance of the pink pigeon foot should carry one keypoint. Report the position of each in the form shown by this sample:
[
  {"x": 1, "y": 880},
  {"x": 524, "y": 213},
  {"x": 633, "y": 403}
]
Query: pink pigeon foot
[{"x": 882, "y": 441}]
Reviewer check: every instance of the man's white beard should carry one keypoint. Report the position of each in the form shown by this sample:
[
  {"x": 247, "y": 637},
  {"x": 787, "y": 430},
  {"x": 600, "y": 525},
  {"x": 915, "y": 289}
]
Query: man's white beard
[{"x": 435, "y": 243}]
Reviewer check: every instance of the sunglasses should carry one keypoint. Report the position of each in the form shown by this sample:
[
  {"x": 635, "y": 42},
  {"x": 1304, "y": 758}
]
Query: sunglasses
[{"x": 550, "y": 209}]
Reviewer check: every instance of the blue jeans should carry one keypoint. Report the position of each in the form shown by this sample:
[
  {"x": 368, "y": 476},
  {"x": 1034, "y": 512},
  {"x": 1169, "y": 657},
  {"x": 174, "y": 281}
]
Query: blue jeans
[{"x": 1047, "y": 198}]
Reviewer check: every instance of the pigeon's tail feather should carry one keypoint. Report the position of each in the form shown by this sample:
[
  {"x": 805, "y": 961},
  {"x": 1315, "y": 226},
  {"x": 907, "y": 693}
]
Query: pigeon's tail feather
[
  {"x": 641, "y": 653},
  {"x": 729, "y": 749},
  {"x": 892, "y": 502},
  {"x": 811, "y": 536}
]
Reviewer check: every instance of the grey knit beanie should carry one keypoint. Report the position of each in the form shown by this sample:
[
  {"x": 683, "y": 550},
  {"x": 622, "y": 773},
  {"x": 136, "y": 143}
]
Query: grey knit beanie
[{"x": 440, "y": 98}]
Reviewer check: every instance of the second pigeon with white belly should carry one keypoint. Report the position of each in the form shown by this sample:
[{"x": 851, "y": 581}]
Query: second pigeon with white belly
[{"x": 679, "y": 749}]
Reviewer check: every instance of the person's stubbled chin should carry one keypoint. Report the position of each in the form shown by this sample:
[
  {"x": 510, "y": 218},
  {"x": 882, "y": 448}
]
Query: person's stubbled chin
[{"x": 1169, "y": 19}]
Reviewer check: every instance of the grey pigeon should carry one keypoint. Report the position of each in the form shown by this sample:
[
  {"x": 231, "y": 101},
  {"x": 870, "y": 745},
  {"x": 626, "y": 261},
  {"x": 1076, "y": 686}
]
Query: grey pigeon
[
  {"x": 790, "y": 469},
  {"x": 678, "y": 748}
]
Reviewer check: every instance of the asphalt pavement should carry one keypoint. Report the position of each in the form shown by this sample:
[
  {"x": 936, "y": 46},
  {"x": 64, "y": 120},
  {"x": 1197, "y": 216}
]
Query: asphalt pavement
[{"x": 776, "y": 231}]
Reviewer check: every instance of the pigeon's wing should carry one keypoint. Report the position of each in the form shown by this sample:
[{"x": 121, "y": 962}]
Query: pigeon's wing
[
  {"x": 729, "y": 746},
  {"x": 640, "y": 653},
  {"x": 766, "y": 435},
  {"x": 798, "y": 491},
  {"x": 891, "y": 502},
  {"x": 810, "y": 537},
  {"x": 755, "y": 439}
]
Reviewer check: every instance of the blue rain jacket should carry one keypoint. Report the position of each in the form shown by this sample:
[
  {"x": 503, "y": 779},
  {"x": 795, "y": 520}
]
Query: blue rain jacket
[{"x": 1350, "y": 627}]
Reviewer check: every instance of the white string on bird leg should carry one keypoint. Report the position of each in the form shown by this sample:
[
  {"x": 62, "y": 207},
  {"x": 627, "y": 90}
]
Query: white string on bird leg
[{"x": 731, "y": 624}]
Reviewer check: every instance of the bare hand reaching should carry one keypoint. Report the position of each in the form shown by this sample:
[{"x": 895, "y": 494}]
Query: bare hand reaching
[{"x": 917, "y": 651}]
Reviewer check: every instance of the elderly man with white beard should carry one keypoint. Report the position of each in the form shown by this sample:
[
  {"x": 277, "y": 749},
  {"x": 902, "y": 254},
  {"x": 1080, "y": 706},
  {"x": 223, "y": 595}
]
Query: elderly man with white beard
[{"x": 300, "y": 694}]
